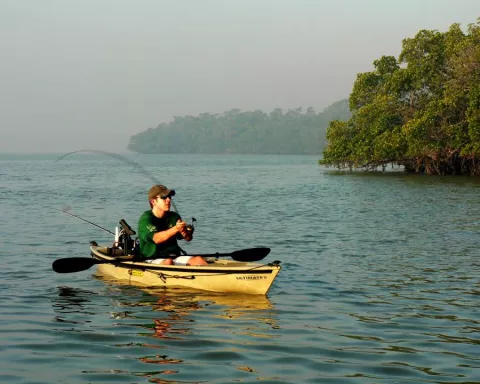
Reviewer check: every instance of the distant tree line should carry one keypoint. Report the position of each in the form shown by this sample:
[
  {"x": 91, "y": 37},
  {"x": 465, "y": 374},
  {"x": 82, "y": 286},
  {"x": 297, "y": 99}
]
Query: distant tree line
[
  {"x": 295, "y": 131},
  {"x": 420, "y": 111}
]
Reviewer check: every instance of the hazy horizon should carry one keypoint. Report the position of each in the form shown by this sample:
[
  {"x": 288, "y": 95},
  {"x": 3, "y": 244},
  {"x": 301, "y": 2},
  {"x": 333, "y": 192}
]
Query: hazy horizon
[{"x": 90, "y": 74}]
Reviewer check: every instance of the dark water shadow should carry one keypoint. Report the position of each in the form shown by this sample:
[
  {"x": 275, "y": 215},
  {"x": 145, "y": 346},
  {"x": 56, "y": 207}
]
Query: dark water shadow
[
  {"x": 73, "y": 305},
  {"x": 417, "y": 178}
]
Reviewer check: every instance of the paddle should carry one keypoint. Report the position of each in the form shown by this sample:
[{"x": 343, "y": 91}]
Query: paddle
[{"x": 77, "y": 264}]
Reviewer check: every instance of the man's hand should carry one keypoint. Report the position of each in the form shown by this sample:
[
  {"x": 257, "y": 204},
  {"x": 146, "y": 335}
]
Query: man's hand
[
  {"x": 181, "y": 226},
  {"x": 183, "y": 230}
]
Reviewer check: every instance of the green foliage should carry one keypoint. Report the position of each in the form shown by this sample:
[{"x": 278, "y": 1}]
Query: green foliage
[
  {"x": 292, "y": 132},
  {"x": 421, "y": 111}
]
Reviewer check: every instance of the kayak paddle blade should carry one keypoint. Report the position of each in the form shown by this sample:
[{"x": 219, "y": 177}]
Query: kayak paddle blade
[
  {"x": 73, "y": 264},
  {"x": 250, "y": 254}
]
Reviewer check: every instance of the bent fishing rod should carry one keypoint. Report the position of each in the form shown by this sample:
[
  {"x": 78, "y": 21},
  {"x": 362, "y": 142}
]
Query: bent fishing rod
[{"x": 125, "y": 160}]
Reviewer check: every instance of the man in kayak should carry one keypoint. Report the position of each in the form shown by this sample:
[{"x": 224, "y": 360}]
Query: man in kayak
[{"x": 159, "y": 229}]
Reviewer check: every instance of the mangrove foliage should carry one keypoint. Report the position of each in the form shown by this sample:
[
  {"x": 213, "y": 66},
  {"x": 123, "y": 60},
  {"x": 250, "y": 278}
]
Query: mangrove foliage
[{"x": 420, "y": 111}]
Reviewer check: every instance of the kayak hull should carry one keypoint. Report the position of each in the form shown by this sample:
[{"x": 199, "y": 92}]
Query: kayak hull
[{"x": 220, "y": 275}]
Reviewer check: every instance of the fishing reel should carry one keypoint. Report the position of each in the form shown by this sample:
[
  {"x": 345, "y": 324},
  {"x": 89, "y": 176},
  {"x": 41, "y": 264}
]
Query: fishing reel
[{"x": 190, "y": 227}]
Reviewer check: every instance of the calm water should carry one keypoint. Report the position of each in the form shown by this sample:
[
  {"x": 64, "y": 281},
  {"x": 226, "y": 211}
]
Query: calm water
[{"x": 380, "y": 280}]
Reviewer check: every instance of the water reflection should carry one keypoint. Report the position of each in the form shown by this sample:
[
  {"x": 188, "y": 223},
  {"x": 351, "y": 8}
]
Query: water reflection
[
  {"x": 415, "y": 178},
  {"x": 173, "y": 308},
  {"x": 173, "y": 329},
  {"x": 182, "y": 323},
  {"x": 171, "y": 318},
  {"x": 71, "y": 304}
]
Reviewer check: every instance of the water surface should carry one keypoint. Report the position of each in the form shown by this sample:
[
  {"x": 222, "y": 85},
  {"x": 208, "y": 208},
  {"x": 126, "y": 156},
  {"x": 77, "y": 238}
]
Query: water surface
[{"x": 380, "y": 280}]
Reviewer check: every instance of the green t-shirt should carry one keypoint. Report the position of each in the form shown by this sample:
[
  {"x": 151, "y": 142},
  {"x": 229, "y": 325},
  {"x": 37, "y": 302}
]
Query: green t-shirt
[{"x": 148, "y": 224}]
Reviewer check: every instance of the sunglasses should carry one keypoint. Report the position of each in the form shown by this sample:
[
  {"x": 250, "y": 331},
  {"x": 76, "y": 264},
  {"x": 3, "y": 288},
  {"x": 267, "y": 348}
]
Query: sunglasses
[{"x": 164, "y": 197}]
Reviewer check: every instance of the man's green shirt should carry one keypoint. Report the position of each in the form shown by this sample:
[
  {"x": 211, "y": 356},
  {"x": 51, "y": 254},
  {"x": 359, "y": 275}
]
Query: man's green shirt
[{"x": 148, "y": 224}]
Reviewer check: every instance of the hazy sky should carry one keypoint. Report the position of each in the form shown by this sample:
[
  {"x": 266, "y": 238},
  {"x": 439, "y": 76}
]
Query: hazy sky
[{"x": 79, "y": 74}]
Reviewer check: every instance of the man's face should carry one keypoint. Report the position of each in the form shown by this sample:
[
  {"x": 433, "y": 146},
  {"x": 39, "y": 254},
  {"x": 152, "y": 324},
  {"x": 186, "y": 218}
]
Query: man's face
[{"x": 162, "y": 203}]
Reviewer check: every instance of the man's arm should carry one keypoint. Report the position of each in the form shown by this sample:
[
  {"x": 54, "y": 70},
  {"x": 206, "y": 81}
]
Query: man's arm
[{"x": 162, "y": 236}]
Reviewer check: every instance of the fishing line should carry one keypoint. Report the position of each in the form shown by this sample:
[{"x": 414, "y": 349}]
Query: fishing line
[{"x": 125, "y": 160}]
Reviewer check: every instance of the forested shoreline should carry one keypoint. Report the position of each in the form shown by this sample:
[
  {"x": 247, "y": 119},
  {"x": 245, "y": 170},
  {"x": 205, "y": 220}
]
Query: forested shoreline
[
  {"x": 295, "y": 131},
  {"x": 420, "y": 111}
]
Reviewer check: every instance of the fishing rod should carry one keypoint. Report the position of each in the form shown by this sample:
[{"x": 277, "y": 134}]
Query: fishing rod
[
  {"x": 125, "y": 160},
  {"x": 86, "y": 221},
  {"x": 135, "y": 165}
]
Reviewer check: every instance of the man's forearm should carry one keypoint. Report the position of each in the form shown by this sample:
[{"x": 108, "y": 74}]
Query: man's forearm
[{"x": 160, "y": 237}]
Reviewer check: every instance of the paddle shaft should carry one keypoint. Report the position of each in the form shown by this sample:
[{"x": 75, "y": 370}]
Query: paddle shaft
[
  {"x": 77, "y": 264},
  {"x": 249, "y": 254}
]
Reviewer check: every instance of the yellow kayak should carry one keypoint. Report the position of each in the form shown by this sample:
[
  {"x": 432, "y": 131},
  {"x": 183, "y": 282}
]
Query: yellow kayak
[{"x": 219, "y": 275}]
